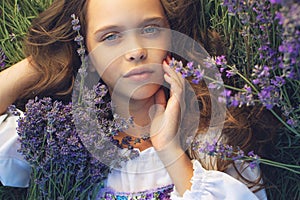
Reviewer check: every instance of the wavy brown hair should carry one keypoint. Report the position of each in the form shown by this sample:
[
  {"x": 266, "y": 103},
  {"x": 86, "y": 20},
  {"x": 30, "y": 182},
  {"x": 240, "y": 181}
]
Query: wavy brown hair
[
  {"x": 52, "y": 51},
  {"x": 50, "y": 47}
]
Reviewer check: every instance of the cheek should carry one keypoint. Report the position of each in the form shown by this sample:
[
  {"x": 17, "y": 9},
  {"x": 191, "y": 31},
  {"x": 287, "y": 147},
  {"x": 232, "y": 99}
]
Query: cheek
[
  {"x": 101, "y": 60},
  {"x": 157, "y": 57},
  {"x": 109, "y": 75}
]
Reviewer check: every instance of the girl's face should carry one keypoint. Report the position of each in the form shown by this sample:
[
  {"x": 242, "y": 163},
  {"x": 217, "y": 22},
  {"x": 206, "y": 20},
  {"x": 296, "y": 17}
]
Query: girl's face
[{"x": 127, "y": 45}]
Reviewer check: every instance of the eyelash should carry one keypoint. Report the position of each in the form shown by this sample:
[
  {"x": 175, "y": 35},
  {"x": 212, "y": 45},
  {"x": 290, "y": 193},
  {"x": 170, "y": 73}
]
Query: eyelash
[
  {"x": 156, "y": 29},
  {"x": 109, "y": 35}
]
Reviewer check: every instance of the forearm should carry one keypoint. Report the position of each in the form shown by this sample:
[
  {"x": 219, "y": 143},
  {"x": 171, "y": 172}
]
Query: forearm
[
  {"x": 13, "y": 82},
  {"x": 179, "y": 167}
]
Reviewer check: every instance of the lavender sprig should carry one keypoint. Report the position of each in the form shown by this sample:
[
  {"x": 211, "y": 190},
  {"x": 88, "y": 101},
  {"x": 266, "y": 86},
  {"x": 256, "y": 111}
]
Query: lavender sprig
[
  {"x": 228, "y": 152},
  {"x": 262, "y": 89},
  {"x": 2, "y": 59},
  {"x": 190, "y": 70},
  {"x": 53, "y": 148},
  {"x": 81, "y": 52}
]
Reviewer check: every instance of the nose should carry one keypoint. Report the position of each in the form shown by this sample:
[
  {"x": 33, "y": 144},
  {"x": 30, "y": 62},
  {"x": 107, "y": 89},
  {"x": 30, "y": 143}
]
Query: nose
[{"x": 136, "y": 55}]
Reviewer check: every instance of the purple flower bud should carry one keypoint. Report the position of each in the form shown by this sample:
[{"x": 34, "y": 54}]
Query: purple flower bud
[
  {"x": 76, "y": 27},
  {"x": 221, "y": 60},
  {"x": 2, "y": 59}
]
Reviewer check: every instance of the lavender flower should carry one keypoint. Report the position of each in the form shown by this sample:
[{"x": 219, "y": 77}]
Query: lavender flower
[
  {"x": 13, "y": 110},
  {"x": 2, "y": 59},
  {"x": 275, "y": 65},
  {"x": 79, "y": 39},
  {"x": 226, "y": 152},
  {"x": 190, "y": 70},
  {"x": 57, "y": 146},
  {"x": 51, "y": 145}
]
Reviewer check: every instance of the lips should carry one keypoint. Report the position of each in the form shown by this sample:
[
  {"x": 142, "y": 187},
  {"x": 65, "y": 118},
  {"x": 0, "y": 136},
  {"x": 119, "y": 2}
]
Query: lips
[{"x": 139, "y": 74}]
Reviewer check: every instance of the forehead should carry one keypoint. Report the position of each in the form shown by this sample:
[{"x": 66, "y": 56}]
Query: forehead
[{"x": 100, "y": 12}]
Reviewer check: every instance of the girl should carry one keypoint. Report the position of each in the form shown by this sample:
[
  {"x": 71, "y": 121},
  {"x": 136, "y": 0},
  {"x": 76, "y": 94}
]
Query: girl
[{"x": 109, "y": 27}]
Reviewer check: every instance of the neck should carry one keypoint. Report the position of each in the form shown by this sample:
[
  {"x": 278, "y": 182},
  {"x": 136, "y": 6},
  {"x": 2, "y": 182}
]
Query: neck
[{"x": 139, "y": 110}]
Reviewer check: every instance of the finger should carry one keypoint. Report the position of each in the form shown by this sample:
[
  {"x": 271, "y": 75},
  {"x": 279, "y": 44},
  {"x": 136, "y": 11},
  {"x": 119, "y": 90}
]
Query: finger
[
  {"x": 171, "y": 72},
  {"x": 173, "y": 79}
]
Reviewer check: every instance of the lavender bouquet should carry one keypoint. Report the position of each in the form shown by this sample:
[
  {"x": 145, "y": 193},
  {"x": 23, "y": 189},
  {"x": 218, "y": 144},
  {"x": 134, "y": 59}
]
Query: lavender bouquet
[
  {"x": 70, "y": 161},
  {"x": 61, "y": 167}
]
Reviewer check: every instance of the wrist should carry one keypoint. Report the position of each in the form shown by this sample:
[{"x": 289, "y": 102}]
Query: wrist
[
  {"x": 179, "y": 167},
  {"x": 170, "y": 154}
]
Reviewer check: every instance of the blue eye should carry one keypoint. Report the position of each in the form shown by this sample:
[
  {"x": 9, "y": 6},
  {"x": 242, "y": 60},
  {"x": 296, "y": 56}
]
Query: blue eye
[
  {"x": 111, "y": 37},
  {"x": 150, "y": 30}
]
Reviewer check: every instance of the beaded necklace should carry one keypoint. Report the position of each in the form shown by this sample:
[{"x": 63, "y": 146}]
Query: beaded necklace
[{"x": 129, "y": 141}]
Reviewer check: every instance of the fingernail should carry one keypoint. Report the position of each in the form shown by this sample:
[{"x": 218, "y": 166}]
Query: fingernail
[{"x": 168, "y": 59}]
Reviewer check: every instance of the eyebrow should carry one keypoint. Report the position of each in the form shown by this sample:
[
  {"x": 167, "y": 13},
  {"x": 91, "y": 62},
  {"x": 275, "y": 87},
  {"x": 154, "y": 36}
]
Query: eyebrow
[
  {"x": 154, "y": 19},
  {"x": 146, "y": 21}
]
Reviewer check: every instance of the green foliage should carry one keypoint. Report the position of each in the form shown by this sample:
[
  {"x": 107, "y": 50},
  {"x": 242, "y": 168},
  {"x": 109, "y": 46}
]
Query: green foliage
[
  {"x": 243, "y": 52},
  {"x": 16, "y": 16},
  {"x": 10, "y": 193}
]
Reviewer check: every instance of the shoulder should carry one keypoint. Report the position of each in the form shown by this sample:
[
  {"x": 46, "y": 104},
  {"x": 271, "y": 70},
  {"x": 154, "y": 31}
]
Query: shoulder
[
  {"x": 15, "y": 80},
  {"x": 24, "y": 66}
]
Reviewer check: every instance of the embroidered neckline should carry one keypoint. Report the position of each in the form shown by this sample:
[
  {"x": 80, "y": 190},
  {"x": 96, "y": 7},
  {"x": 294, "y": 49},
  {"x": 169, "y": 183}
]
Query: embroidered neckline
[{"x": 162, "y": 193}]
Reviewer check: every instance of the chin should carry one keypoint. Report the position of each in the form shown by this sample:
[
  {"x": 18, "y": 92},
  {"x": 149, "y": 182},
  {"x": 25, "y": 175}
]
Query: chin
[{"x": 145, "y": 92}]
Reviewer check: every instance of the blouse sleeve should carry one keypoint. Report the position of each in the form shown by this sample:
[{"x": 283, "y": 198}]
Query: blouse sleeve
[
  {"x": 14, "y": 170},
  {"x": 214, "y": 185}
]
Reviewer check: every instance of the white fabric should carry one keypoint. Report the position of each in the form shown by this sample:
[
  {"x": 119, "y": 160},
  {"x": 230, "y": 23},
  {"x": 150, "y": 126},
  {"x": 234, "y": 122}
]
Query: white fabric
[
  {"x": 214, "y": 185},
  {"x": 14, "y": 170},
  {"x": 146, "y": 172}
]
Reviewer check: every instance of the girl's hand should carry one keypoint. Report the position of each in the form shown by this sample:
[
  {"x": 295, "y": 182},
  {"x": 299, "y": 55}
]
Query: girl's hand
[
  {"x": 165, "y": 131},
  {"x": 166, "y": 115}
]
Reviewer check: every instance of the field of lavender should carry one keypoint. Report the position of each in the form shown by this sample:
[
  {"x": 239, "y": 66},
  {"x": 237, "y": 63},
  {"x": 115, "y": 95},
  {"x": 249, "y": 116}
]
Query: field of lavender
[{"x": 263, "y": 57}]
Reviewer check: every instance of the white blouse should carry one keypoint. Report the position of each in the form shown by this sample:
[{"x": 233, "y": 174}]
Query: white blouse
[
  {"x": 144, "y": 174},
  {"x": 14, "y": 170}
]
